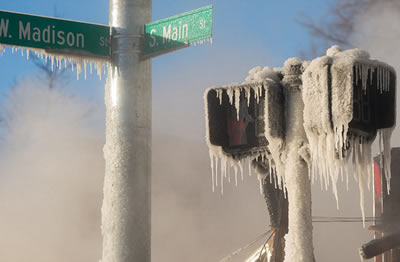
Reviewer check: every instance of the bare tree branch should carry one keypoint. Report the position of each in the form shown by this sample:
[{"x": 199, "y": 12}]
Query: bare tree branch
[{"x": 337, "y": 26}]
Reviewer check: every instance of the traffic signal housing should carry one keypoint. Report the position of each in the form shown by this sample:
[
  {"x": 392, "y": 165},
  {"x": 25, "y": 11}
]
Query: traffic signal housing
[
  {"x": 374, "y": 100},
  {"x": 236, "y": 117}
]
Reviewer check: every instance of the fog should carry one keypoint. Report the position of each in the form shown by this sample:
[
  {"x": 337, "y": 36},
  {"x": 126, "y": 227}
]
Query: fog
[{"x": 52, "y": 169}]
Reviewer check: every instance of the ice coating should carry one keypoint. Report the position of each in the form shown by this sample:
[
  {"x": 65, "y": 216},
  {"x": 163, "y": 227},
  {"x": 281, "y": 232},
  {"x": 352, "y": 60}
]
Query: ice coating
[
  {"x": 330, "y": 145},
  {"x": 220, "y": 161},
  {"x": 58, "y": 60},
  {"x": 200, "y": 42},
  {"x": 298, "y": 240}
]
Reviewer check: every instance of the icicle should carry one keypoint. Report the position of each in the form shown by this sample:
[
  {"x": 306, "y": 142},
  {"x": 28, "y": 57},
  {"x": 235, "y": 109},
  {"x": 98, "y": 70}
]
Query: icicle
[
  {"x": 229, "y": 173},
  {"x": 236, "y": 175},
  {"x": 222, "y": 184},
  {"x": 216, "y": 171},
  {"x": 212, "y": 171},
  {"x": 249, "y": 163},
  {"x": 241, "y": 169},
  {"x": 52, "y": 63},
  {"x": 219, "y": 95},
  {"x": 386, "y": 135},
  {"x": 237, "y": 102},
  {"x": 84, "y": 65},
  {"x": 248, "y": 94},
  {"x": 230, "y": 92}
]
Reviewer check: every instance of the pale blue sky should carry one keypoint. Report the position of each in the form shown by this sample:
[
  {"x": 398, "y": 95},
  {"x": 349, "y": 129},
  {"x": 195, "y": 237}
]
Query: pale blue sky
[{"x": 245, "y": 34}]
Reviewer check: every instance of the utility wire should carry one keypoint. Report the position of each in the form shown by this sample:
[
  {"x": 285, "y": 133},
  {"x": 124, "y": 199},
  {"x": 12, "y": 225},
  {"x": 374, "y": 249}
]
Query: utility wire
[
  {"x": 265, "y": 244},
  {"x": 316, "y": 219},
  {"x": 322, "y": 219},
  {"x": 239, "y": 250}
]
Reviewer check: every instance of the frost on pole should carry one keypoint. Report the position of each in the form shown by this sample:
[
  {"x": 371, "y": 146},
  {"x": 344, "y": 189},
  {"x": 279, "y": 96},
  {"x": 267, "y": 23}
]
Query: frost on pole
[
  {"x": 241, "y": 119},
  {"x": 348, "y": 100}
]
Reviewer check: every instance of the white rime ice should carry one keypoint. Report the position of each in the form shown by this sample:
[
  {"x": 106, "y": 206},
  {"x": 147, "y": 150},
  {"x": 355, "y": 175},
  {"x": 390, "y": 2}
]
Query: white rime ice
[
  {"x": 220, "y": 159},
  {"x": 313, "y": 141},
  {"x": 77, "y": 63},
  {"x": 259, "y": 81},
  {"x": 334, "y": 153}
]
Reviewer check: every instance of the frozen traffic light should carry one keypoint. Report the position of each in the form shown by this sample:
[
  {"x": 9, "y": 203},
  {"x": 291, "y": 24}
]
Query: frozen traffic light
[{"x": 236, "y": 117}]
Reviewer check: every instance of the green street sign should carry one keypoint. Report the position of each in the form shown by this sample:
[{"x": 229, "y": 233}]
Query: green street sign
[
  {"x": 178, "y": 31},
  {"x": 54, "y": 34}
]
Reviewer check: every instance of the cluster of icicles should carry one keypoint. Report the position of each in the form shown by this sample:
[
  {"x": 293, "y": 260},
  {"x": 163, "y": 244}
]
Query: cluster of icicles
[
  {"x": 383, "y": 76},
  {"x": 234, "y": 91},
  {"x": 330, "y": 167},
  {"x": 200, "y": 42},
  {"x": 223, "y": 164},
  {"x": 77, "y": 63}
]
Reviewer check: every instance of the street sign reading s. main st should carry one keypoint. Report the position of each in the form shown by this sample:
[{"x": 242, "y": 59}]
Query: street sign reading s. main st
[
  {"x": 54, "y": 34},
  {"x": 178, "y": 31}
]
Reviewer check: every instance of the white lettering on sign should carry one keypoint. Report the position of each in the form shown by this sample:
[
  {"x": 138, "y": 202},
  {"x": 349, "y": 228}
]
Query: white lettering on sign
[
  {"x": 24, "y": 33},
  {"x": 103, "y": 41},
  {"x": 3, "y": 27},
  {"x": 152, "y": 44},
  {"x": 175, "y": 33},
  {"x": 48, "y": 35}
]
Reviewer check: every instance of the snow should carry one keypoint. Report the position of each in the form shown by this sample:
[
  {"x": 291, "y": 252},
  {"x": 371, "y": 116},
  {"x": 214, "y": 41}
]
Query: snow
[{"x": 76, "y": 62}]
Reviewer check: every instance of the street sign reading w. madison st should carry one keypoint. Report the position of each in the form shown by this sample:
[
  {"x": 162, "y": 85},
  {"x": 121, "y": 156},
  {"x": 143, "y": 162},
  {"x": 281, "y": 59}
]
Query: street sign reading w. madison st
[{"x": 54, "y": 34}]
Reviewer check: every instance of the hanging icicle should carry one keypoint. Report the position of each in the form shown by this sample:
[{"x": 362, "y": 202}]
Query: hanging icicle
[{"x": 56, "y": 60}]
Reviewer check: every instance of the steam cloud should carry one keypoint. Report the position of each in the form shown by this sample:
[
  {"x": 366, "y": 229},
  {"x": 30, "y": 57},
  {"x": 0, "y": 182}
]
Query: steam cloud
[
  {"x": 52, "y": 170},
  {"x": 51, "y": 176}
]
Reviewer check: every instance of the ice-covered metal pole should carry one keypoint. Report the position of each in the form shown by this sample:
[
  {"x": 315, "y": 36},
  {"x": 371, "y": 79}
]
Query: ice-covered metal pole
[
  {"x": 126, "y": 223},
  {"x": 299, "y": 245}
]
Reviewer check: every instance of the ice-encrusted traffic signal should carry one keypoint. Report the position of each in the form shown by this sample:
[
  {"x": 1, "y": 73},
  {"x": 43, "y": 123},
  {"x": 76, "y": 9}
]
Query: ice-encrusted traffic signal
[
  {"x": 348, "y": 100},
  {"x": 349, "y": 94},
  {"x": 374, "y": 103},
  {"x": 236, "y": 117},
  {"x": 310, "y": 119}
]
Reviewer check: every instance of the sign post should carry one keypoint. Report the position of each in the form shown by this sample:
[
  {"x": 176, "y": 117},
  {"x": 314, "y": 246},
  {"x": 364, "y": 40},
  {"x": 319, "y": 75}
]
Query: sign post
[
  {"x": 128, "y": 42},
  {"x": 126, "y": 216},
  {"x": 126, "y": 211}
]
